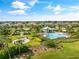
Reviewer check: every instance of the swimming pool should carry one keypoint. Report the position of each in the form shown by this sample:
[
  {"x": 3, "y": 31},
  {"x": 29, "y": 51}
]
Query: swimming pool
[{"x": 56, "y": 35}]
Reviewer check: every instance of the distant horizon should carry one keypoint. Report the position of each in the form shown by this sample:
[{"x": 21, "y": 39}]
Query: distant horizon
[{"x": 38, "y": 21}]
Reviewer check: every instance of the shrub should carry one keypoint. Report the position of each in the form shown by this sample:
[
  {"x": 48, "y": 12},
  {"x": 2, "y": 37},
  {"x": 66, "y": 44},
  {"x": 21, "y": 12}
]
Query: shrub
[
  {"x": 33, "y": 34},
  {"x": 50, "y": 43},
  {"x": 12, "y": 51},
  {"x": 45, "y": 39}
]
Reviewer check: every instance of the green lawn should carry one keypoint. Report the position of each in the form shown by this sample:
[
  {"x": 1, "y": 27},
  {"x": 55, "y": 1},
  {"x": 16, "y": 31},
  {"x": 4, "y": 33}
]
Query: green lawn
[
  {"x": 69, "y": 51},
  {"x": 33, "y": 40}
]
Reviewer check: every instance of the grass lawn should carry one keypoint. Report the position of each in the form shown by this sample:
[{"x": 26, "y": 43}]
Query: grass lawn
[
  {"x": 69, "y": 51},
  {"x": 33, "y": 40}
]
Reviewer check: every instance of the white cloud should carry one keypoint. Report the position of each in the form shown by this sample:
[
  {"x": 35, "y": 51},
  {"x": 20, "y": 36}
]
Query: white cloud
[
  {"x": 49, "y": 7},
  {"x": 61, "y": 17},
  {"x": 20, "y": 5},
  {"x": 20, "y": 8},
  {"x": 57, "y": 9},
  {"x": 17, "y": 12},
  {"x": 32, "y": 2},
  {"x": 66, "y": 17},
  {"x": 73, "y": 8}
]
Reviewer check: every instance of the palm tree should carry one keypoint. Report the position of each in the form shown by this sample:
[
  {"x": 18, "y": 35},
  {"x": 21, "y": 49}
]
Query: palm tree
[
  {"x": 5, "y": 44},
  {"x": 19, "y": 43},
  {"x": 5, "y": 32}
]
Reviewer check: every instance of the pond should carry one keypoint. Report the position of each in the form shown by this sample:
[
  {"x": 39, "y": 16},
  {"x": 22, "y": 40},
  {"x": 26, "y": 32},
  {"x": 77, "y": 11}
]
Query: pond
[{"x": 56, "y": 35}]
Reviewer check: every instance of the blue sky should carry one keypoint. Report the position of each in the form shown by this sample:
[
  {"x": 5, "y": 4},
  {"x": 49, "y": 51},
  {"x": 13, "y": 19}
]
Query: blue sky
[{"x": 39, "y": 10}]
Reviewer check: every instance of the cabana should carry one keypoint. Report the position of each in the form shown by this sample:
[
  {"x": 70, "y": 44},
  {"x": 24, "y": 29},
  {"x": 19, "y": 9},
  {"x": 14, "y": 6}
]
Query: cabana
[{"x": 48, "y": 30}]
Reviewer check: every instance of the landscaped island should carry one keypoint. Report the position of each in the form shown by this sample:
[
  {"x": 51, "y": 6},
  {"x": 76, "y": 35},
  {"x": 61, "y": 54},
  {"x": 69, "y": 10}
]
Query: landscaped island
[{"x": 39, "y": 40}]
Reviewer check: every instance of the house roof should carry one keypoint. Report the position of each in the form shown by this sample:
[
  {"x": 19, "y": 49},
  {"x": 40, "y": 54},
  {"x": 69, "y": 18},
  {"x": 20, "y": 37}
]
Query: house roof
[{"x": 48, "y": 28}]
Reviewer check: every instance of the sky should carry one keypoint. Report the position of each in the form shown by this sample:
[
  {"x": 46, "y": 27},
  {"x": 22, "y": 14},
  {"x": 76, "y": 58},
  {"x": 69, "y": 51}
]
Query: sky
[{"x": 39, "y": 10}]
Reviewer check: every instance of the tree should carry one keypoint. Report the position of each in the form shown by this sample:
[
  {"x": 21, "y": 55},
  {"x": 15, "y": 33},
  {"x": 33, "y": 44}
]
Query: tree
[
  {"x": 50, "y": 44},
  {"x": 5, "y": 32},
  {"x": 19, "y": 43},
  {"x": 34, "y": 34}
]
